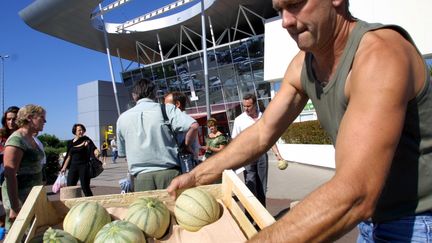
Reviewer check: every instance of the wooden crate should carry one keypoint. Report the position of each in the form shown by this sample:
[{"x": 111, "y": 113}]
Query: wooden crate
[{"x": 38, "y": 212}]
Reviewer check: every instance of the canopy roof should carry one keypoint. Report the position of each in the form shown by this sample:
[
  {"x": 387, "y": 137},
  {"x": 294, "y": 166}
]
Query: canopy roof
[{"x": 72, "y": 22}]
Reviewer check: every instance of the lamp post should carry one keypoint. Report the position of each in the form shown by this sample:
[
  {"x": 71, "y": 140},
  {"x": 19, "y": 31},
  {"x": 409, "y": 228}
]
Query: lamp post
[{"x": 3, "y": 57}]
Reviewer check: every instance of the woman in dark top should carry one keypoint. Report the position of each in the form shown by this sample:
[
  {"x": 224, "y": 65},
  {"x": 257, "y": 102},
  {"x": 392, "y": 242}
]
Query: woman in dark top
[{"x": 79, "y": 150}]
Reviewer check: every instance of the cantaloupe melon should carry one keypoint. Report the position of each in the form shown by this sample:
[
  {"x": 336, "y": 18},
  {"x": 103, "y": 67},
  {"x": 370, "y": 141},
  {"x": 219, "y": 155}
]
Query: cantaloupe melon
[
  {"x": 282, "y": 164},
  {"x": 195, "y": 208},
  {"x": 85, "y": 219},
  {"x": 120, "y": 231},
  {"x": 150, "y": 215},
  {"x": 58, "y": 236}
]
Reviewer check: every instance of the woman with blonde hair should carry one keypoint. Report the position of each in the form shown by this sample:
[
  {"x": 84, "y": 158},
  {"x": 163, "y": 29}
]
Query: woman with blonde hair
[
  {"x": 215, "y": 140},
  {"x": 22, "y": 156}
]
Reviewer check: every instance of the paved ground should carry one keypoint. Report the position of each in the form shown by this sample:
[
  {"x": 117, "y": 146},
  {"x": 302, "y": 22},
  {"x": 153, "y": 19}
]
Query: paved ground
[{"x": 284, "y": 186}]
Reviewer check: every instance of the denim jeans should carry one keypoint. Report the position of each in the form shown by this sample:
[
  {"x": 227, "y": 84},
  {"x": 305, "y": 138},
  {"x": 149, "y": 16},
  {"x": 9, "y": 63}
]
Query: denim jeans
[
  {"x": 416, "y": 228},
  {"x": 114, "y": 156}
]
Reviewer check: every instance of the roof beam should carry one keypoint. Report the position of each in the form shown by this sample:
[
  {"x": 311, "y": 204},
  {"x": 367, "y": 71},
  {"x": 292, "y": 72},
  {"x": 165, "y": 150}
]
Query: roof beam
[
  {"x": 108, "y": 8},
  {"x": 152, "y": 14}
]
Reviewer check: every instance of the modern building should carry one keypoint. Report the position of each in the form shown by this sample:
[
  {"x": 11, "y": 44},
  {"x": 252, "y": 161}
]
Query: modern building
[
  {"x": 247, "y": 50},
  {"x": 97, "y": 108}
]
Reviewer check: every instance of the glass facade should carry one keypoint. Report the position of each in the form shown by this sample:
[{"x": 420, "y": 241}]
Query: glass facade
[{"x": 234, "y": 69}]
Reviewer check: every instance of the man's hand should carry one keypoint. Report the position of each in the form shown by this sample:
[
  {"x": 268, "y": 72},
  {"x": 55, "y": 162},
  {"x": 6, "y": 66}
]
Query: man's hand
[
  {"x": 181, "y": 182},
  {"x": 13, "y": 214}
]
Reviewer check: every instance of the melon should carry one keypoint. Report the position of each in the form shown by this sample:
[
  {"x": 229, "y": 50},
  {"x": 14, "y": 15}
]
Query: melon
[
  {"x": 85, "y": 219},
  {"x": 195, "y": 208},
  {"x": 282, "y": 164},
  {"x": 150, "y": 215},
  {"x": 120, "y": 231},
  {"x": 58, "y": 236}
]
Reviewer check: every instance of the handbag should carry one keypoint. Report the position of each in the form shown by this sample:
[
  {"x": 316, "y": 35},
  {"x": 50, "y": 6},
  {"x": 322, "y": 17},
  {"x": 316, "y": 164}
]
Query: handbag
[
  {"x": 187, "y": 160},
  {"x": 95, "y": 165}
]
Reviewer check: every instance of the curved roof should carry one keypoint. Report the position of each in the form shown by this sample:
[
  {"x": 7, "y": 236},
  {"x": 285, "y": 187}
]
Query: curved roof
[{"x": 70, "y": 21}]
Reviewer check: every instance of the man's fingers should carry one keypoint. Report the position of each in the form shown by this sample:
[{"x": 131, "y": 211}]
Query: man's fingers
[
  {"x": 172, "y": 188},
  {"x": 179, "y": 184}
]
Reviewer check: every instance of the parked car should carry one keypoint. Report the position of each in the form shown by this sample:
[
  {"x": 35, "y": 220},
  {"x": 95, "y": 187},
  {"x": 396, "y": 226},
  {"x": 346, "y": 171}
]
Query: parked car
[
  {"x": 214, "y": 83},
  {"x": 246, "y": 66}
]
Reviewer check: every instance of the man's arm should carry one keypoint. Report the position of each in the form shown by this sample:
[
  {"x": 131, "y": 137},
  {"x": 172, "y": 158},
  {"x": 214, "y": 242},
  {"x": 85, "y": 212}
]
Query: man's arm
[
  {"x": 191, "y": 134},
  {"x": 121, "y": 143},
  {"x": 282, "y": 110},
  {"x": 378, "y": 93},
  {"x": 276, "y": 152}
]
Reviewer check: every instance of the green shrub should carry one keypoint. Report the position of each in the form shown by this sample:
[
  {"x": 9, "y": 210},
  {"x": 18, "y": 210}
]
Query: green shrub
[
  {"x": 53, "y": 147},
  {"x": 308, "y": 132},
  {"x": 52, "y": 166}
]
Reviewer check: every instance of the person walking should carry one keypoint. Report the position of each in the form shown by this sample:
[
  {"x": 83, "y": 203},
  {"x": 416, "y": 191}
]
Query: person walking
[
  {"x": 104, "y": 151},
  {"x": 255, "y": 174},
  {"x": 79, "y": 150},
  {"x": 145, "y": 139},
  {"x": 114, "y": 150}
]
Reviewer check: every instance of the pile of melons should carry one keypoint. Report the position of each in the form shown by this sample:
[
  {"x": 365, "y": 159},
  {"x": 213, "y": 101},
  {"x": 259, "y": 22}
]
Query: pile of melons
[{"x": 146, "y": 217}]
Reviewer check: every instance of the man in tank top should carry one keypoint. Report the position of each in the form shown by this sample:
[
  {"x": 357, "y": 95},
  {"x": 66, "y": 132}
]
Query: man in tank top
[{"x": 371, "y": 89}]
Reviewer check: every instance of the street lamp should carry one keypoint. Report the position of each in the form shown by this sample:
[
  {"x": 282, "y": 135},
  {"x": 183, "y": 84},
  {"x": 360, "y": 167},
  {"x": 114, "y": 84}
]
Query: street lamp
[{"x": 2, "y": 84}]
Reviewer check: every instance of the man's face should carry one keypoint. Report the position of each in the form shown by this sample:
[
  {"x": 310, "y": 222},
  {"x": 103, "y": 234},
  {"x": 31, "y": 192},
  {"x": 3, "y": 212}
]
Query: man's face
[
  {"x": 249, "y": 107},
  {"x": 308, "y": 22}
]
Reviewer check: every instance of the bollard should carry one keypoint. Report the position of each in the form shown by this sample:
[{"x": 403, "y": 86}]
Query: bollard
[{"x": 70, "y": 192}]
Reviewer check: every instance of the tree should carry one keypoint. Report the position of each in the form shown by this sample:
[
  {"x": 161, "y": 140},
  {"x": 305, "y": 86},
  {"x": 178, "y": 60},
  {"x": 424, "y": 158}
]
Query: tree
[
  {"x": 50, "y": 140},
  {"x": 53, "y": 147}
]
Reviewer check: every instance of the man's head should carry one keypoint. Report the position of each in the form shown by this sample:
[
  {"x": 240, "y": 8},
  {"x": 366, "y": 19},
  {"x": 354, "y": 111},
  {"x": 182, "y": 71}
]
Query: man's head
[
  {"x": 143, "y": 88},
  {"x": 312, "y": 23},
  {"x": 249, "y": 105},
  {"x": 176, "y": 98}
]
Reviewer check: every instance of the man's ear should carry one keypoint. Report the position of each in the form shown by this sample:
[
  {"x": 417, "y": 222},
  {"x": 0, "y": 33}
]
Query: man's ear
[
  {"x": 338, "y": 3},
  {"x": 178, "y": 105}
]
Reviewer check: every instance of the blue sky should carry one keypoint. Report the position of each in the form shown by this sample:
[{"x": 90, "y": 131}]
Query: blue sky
[{"x": 46, "y": 71}]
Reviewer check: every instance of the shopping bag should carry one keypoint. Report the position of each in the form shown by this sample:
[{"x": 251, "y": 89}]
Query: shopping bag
[
  {"x": 126, "y": 184},
  {"x": 60, "y": 182}
]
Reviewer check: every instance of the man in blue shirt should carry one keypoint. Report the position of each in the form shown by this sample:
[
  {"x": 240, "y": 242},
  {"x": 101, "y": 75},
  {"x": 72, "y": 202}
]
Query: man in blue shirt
[{"x": 146, "y": 141}]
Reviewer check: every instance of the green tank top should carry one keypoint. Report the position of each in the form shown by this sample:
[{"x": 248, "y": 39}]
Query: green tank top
[{"x": 408, "y": 189}]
